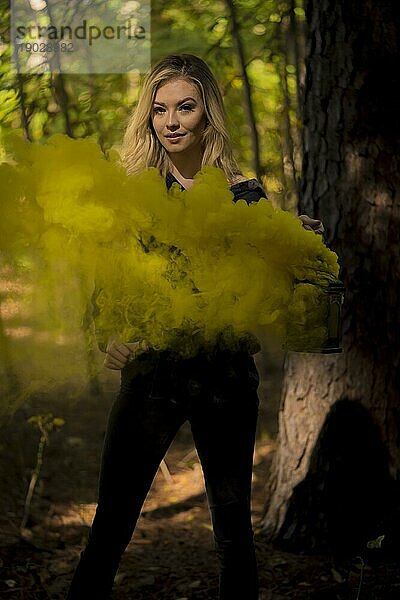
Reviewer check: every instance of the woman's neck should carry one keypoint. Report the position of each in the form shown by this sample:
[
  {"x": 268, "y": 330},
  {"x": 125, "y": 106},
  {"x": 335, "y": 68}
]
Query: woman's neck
[
  {"x": 185, "y": 167},
  {"x": 186, "y": 182}
]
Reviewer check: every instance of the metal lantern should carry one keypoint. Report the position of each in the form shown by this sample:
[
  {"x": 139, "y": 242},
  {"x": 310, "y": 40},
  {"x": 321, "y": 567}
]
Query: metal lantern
[
  {"x": 332, "y": 300},
  {"x": 335, "y": 299}
]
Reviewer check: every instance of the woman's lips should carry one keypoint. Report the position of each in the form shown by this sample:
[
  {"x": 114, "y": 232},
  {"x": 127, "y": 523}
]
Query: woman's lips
[{"x": 175, "y": 139}]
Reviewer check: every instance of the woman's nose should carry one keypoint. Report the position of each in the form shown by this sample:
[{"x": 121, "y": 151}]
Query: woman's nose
[{"x": 172, "y": 119}]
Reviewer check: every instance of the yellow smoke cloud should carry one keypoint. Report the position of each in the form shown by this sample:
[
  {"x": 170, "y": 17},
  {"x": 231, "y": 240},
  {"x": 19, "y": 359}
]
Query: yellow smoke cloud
[{"x": 177, "y": 268}]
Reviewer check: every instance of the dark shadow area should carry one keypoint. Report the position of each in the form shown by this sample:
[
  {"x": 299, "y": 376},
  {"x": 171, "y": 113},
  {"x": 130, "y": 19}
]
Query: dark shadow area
[
  {"x": 175, "y": 508},
  {"x": 269, "y": 363},
  {"x": 341, "y": 504},
  {"x": 171, "y": 554}
]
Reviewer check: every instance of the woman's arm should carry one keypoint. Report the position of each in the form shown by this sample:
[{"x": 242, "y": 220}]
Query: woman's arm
[{"x": 251, "y": 190}]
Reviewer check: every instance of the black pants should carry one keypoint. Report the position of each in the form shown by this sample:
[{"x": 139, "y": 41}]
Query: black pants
[{"x": 219, "y": 398}]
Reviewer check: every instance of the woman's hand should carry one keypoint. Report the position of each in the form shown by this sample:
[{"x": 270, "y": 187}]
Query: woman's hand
[
  {"x": 119, "y": 353},
  {"x": 312, "y": 224}
]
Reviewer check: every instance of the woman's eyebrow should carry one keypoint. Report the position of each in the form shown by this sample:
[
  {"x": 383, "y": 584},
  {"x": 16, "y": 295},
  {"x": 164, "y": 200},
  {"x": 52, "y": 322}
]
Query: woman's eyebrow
[{"x": 180, "y": 101}]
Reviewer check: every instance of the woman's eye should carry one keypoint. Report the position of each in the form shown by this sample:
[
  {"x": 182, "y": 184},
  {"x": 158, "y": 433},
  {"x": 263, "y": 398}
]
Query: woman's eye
[{"x": 187, "y": 107}]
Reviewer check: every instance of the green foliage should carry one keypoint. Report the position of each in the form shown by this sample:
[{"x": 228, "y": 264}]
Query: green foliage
[
  {"x": 46, "y": 424},
  {"x": 100, "y": 105}
]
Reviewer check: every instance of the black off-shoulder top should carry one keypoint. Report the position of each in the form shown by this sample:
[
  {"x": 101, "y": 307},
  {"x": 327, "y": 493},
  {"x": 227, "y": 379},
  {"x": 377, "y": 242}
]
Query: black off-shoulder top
[{"x": 250, "y": 190}]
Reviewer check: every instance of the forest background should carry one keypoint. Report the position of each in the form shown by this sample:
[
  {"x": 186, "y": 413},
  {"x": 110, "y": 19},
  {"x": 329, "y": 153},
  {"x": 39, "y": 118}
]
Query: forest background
[{"x": 310, "y": 94}]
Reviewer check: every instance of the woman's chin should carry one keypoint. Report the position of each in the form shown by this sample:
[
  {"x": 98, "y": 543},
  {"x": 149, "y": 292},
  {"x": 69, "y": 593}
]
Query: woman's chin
[{"x": 175, "y": 150}]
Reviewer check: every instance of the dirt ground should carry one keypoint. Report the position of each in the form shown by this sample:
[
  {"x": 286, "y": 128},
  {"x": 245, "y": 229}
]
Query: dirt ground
[{"x": 171, "y": 556}]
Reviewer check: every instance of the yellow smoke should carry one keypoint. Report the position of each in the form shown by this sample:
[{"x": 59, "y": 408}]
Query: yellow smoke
[{"x": 177, "y": 268}]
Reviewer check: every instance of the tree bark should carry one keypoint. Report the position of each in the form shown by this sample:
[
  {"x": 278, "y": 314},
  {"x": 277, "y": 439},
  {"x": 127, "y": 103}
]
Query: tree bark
[
  {"x": 289, "y": 173},
  {"x": 337, "y": 463},
  {"x": 251, "y": 119},
  {"x": 58, "y": 82},
  {"x": 23, "y": 107}
]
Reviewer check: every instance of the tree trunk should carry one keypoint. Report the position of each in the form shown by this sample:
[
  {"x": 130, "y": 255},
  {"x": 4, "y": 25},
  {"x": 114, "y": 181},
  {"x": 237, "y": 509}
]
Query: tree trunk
[
  {"x": 337, "y": 462},
  {"x": 255, "y": 144}
]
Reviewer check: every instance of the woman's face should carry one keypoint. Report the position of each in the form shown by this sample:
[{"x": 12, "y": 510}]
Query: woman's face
[{"x": 178, "y": 110}]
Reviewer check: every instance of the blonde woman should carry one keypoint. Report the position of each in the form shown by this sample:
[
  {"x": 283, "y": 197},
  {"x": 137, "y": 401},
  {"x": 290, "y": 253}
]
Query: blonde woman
[{"x": 179, "y": 126}]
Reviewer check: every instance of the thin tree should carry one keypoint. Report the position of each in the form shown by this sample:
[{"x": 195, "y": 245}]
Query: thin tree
[{"x": 251, "y": 119}]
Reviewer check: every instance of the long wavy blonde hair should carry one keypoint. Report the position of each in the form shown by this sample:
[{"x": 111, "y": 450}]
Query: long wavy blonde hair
[{"x": 142, "y": 149}]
